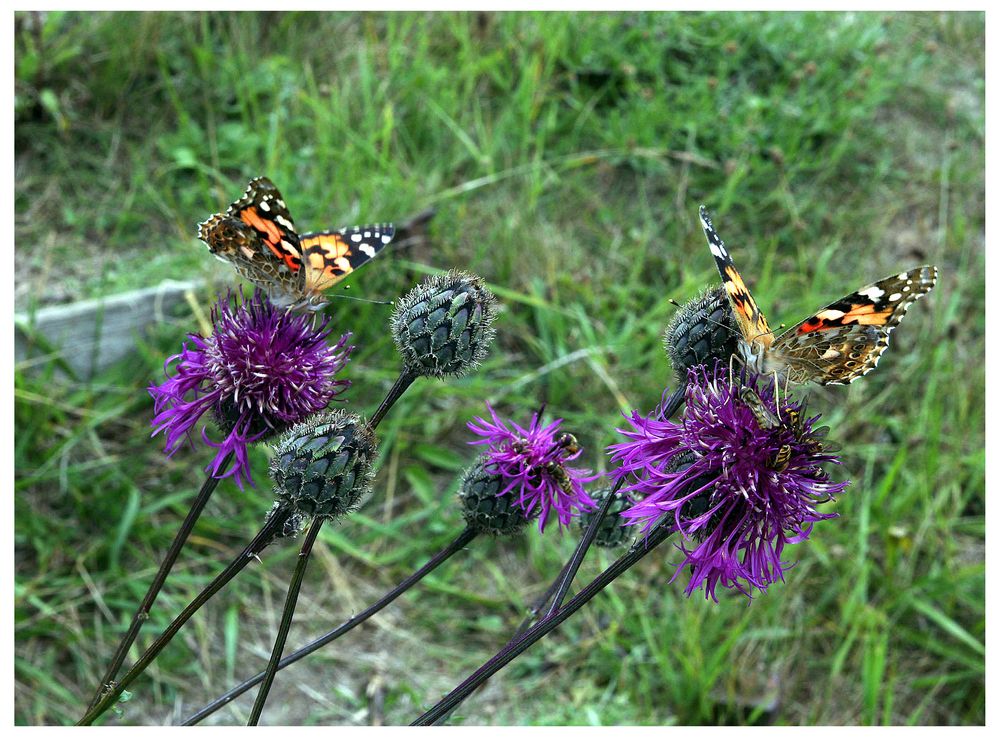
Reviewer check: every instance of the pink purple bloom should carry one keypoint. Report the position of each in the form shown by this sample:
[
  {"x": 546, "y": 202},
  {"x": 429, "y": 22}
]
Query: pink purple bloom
[
  {"x": 534, "y": 460},
  {"x": 261, "y": 370},
  {"x": 750, "y": 485}
]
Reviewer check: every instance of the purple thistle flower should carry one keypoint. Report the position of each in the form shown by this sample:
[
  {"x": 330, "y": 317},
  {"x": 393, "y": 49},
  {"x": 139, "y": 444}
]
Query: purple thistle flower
[
  {"x": 261, "y": 370},
  {"x": 740, "y": 476},
  {"x": 534, "y": 460}
]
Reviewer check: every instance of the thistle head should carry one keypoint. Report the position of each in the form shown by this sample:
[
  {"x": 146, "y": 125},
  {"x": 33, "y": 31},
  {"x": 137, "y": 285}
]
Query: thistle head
[
  {"x": 484, "y": 506},
  {"x": 701, "y": 332},
  {"x": 444, "y": 326},
  {"x": 613, "y": 531},
  {"x": 260, "y": 371},
  {"x": 535, "y": 465},
  {"x": 323, "y": 467},
  {"x": 740, "y": 476}
]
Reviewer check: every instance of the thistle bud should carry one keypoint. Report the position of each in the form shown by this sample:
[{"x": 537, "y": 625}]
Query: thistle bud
[
  {"x": 443, "y": 327},
  {"x": 611, "y": 533},
  {"x": 701, "y": 330},
  {"x": 323, "y": 467},
  {"x": 482, "y": 508}
]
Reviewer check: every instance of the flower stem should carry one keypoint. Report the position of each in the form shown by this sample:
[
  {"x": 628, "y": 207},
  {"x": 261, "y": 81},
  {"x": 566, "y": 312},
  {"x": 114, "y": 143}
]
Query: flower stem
[
  {"x": 514, "y": 648},
  {"x": 670, "y": 407},
  {"x": 272, "y": 526},
  {"x": 142, "y": 613},
  {"x": 395, "y": 392},
  {"x": 453, "y": 547},
  {"x": 570, "y": 569},
  {"x": 286, "y": 619},
  {"x": 539, "y": 604}
]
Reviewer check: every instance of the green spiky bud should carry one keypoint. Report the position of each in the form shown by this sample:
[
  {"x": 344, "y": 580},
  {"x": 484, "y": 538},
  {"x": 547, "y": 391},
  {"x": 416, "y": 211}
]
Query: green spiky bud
[
  {"x": 323, "y": 467},
  {"x": 701, "y": 330},
  {"x": 443, "y": 327},
  {"x": 482, "y": 509}
]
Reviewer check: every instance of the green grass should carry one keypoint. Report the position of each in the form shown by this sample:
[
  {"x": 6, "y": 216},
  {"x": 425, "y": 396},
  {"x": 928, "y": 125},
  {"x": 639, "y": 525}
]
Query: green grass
[{"x": 567, "y": 155}]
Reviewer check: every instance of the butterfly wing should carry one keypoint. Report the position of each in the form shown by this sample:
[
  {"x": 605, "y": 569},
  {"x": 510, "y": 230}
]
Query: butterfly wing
[
  {"x": 257, "y": 236},
  {"x": 263, "y": 210},
  {"x": 330, "y": 256},
  {"x": 750, "y": 320},
  {"x": 845, "y": 339}
]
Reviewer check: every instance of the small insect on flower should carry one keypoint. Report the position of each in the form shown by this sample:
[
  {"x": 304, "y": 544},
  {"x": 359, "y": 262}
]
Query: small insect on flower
[
  {"x": 751, "y": 482},
  {"x": 535, "y": 462},
  {"x": 262, "y": 370}
]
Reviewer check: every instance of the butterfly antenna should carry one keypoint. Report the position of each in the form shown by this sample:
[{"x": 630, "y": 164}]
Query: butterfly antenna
[{"x": 362, "y": 299}]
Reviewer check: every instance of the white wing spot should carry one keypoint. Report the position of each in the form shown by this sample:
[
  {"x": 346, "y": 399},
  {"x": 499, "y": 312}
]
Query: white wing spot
[
  {"x": 717, "y": 251},
  {"x": 283, "y": 221},
  {"x": 386, "y": 239},
  {"x": 355, "y": 237},
  {"x": 906, "y": 289},
  {"x": 904, "y": 277},
  {"x": 830, "y": 353},
  {"x": 367, "y": 250},
  {"x": 281, "y": 204},
  {"x": 368, "y": 234},
  {"x": 831, "y": 314},
  {"x": 873, "y": 293},
  {"x": 895, "y": 297},
  {"x": 264, "y": 206}
]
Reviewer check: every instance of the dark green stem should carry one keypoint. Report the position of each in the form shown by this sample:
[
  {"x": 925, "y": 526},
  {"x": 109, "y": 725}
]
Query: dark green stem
[
  {"x": 457, "y": 544},
  {"x": 570, "y": 569},
  {"x": 395, "y": 392},
  {"x": 262, "y": 539},
  {"x": 142, "y": 613},
  {"x": 540, "y": 604},
  {"x": 670, "y": 407},
  {"x": 286, "y": 620},
  {"x": 514, "y": 648}
]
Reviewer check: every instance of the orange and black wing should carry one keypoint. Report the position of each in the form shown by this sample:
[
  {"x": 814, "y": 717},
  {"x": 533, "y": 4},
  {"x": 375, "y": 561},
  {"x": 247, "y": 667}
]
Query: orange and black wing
[
  {"x": 330, "y": 256},
  {"x": 751, "y": 321},
  {"x": 845, "y": 339}
]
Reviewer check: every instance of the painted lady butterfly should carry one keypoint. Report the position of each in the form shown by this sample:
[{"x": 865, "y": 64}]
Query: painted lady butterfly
[
  {"x": 257, "y": 236},
  {"x": 838, "y": 344}
]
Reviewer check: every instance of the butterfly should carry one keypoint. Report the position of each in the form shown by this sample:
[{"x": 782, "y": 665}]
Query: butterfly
[
  {"x": 257, "y": 236},
  {"x": 840, "y": 343}
]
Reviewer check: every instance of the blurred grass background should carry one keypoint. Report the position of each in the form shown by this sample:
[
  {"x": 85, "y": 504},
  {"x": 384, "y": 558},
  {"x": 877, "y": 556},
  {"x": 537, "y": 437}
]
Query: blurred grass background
[{"x": 567, "y": 154}]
